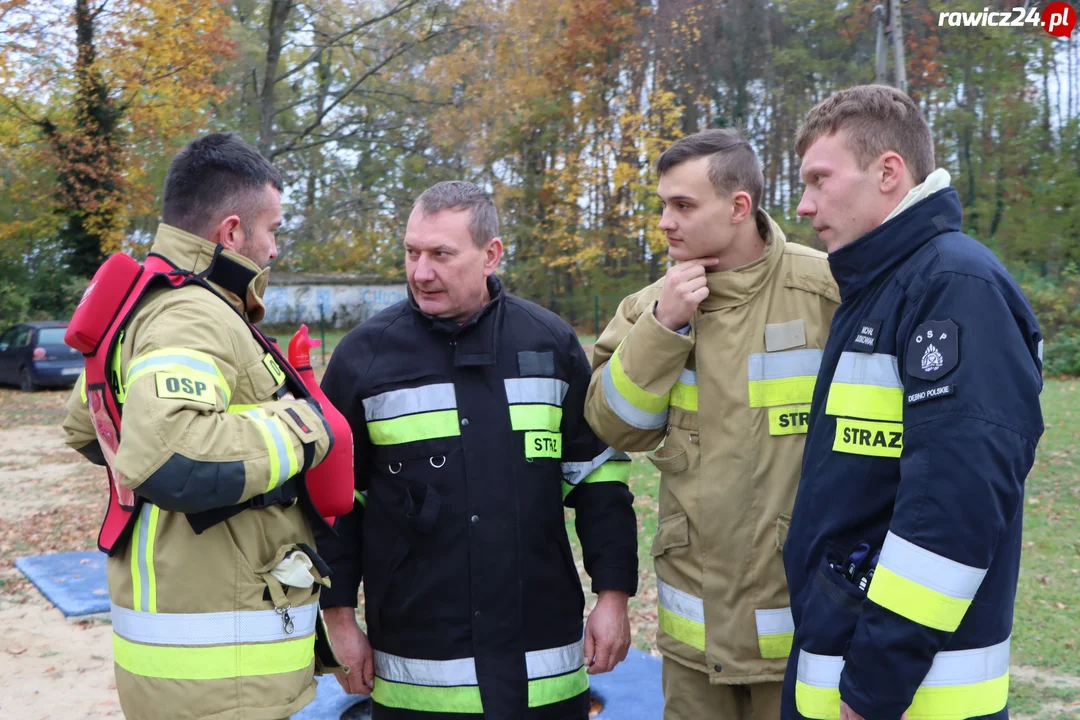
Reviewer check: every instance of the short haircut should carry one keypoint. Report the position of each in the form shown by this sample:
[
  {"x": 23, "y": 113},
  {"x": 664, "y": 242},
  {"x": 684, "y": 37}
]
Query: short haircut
[
  {"x": 874, "y": 119},
  {"x": 216, "y": 175},
  {"x": 733, "y": 164},
  {"x": 459, "y": 195}
]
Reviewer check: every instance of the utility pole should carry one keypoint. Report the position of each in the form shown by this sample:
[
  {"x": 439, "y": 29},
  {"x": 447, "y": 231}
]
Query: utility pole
[{"x": 889, "y": 27}]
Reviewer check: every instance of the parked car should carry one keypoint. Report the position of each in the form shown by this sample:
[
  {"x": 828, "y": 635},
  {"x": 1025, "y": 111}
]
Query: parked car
[{"x": 34, "y": 355}]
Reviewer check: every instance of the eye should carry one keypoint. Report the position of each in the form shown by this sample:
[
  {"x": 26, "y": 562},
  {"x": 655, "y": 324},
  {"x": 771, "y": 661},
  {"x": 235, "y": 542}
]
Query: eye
[{"x": 682, "y": 206}]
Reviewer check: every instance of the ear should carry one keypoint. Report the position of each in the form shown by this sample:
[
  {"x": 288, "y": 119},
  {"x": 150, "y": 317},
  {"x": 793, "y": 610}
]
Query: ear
[
  {"x": 893, "y": 173},
  {"x": 740, "y": 207},
  {"x": 228, "y": 233},
  {"x": 492, "y": 254}
]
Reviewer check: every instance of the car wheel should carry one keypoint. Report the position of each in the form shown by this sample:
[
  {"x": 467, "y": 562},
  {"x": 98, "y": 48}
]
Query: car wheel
[{"x": 26, "y": 381}]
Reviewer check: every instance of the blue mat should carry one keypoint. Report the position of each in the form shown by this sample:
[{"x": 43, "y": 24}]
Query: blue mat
[
  {"x": 73, "y": 582},
  {"x": 631, "y": 691}
]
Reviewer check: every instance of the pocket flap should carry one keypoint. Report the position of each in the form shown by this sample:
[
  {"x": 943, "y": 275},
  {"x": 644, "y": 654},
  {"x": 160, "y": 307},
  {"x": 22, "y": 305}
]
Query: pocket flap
[
  {"x": 672, "y": 532},
  {"x": 669, "y": 460}
]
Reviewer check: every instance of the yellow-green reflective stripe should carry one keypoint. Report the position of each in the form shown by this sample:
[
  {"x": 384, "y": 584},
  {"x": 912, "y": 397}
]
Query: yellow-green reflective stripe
[
  {"x": 817, "y": 703},
  {"x": 782, "y": 391},
  {"x": 535, "y": 417},
  {"x": 610, "y": 471},
  {"x": 282, "y": 456},
  {"x": 423, "y": 698},
  {"x": 546, "y": 691},
  {"x": 915, "y": 602},
  {"x": 151, "y": 575},
  {"x": 960, "y": 701},
  {"x": 862, "y": 437},
  {"x": 82, "y": 386},
  {"x": 360, "y": 497},
  {"x": 217, "y": 662},
  {"x": 114, "y": 366},
  {"x": 413, "y": 428},
  {"x": 683, "y": 630},
  {"x": 241, "y": 409},
  {"x": 136, "y": 560},
  {"x": 871, "y": 402},
  {"x": 776, "y": 629},
  {"x": 942, "y": 591},
  {"x": 684, "y": 397},
  {"x": 639, "y": 398},
  {"x": 681, "y": 615}
]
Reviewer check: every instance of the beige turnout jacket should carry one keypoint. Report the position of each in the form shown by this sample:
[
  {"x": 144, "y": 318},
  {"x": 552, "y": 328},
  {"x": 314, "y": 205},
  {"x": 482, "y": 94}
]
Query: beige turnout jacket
[{"x": 728, "y": 401}]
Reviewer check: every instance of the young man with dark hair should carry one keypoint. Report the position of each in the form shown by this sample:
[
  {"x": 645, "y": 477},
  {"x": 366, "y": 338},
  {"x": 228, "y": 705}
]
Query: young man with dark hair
[
  {"x": 904, "y": 546},
  {"x": 717, "y": 360},
  {"x": 213, "y": 589}
]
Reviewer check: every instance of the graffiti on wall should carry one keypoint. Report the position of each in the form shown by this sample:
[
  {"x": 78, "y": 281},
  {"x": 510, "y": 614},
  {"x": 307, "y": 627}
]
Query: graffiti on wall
[{"x": 342, "y": 306}]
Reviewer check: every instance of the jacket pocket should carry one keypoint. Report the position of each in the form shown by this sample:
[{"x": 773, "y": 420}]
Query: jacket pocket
[
  {"x": 832, "y": 609},
  {"x": 783, "y": 524},
  {"x": 669, "y": 460},
  {"x": 672, "y": 532}
]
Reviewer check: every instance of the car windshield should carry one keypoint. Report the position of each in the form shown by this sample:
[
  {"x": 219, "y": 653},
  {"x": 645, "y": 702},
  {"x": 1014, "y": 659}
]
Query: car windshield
[{"x": 51, "y": 336}]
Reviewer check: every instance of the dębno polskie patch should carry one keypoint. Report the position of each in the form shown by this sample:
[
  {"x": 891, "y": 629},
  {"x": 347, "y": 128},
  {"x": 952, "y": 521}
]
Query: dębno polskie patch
[{"x": 933, "y": 350}]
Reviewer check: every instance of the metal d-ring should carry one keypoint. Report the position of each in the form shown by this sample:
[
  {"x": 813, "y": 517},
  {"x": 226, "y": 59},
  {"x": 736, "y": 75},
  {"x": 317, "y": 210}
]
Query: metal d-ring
[
  {"x": 432, "y": 461},
  {"x": 392, "y": 470}
]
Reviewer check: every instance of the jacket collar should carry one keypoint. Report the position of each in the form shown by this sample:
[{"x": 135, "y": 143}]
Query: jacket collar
[
  {"x": 731, "y": 288},
  {"x": 475, "y": 340},
  {"x": 240, "y": 281},
  {"x": 876, "y": 254}
]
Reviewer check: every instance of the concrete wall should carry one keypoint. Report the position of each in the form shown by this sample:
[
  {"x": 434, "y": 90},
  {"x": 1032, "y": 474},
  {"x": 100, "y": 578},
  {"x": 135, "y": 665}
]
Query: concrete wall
[{"x": 344, "y": 305}]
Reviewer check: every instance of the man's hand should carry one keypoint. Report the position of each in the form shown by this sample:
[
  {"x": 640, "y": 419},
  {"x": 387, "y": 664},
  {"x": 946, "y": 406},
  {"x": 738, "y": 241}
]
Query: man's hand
[
  {"x": 684, "y": 289},
  {"x": 607, "y": 632},
  {"x": 352, "y": 648},
  {"x": 847, "y": 713}
]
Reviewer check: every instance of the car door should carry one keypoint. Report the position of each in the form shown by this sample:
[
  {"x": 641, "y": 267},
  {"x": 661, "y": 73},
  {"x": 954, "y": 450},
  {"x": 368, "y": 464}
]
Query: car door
[{"x": 8, "y": 369}]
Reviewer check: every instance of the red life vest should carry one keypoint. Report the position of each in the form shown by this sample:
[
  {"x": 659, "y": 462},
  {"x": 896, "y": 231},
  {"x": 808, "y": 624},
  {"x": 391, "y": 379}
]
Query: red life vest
[{"x": 96, "y": 329}]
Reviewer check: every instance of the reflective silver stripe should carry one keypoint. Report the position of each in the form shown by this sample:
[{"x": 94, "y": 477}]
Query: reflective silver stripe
[
  {"x": 868, "y": 369},
  {"x": 821, "y": 671},
  {"x": 681, "y": 603},
  {"x": 556, "y": 661},
  {"x": 625, "y": 411},
  {"x": 144, "y": 539},
  {"x": 1040, "y": 350},
  {"x": 778, "y": 365},
  {"x": 452, "y": 673},
  {"x": 688, "y": 377},
  {"x": 774, "y": 622},
  {"x": 546, "y": 391},
  {"x": 930, "y": 570},
  {"x": 274, "y": 427},
  {"x": 436, "y": 673},
  {"x": 409, "y": 401},
  {"x": 950, "y": 668},
  {"x": 167, "y": 360},
  {"x": 966, "y": 667},
  {"x": 215, "y": 628},
  {"x": 575, "y": 472}
]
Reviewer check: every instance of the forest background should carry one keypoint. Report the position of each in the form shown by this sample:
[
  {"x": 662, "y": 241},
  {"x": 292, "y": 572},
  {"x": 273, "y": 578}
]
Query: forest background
[{"x": 558, "y": 107}]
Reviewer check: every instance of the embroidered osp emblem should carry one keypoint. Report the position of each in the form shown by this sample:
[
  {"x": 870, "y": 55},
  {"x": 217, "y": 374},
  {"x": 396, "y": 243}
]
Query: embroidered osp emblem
[{"x": 933, "y": 350}]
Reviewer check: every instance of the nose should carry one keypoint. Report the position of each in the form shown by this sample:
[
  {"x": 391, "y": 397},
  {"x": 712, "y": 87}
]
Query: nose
[
  {"x": 425, "y": 270},
  {"x": 806, "y": 205},
  {"x": 273, "y": 249},
  {"x": 666, "y": 223}
]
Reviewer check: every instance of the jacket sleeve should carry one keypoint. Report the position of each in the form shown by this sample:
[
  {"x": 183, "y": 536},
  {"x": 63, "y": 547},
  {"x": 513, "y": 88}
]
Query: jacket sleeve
[
  {"x": 343, "y": 551},
  {"x": 636, "y": 363},
  {"x": 966, "y": 453},
  {"x": 595, "y": 484},
  {"x": 183, "y": 446},
  {"x": 78, "y": 429}
]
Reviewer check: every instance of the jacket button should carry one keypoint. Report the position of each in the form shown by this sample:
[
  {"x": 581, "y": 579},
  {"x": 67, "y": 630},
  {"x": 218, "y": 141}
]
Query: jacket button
[
  {"x": 464, "y": 422},
  {"x": 718, "y": 668},
  {"x": 474, "y": 519},
  {"x": 477, "y": 614}
]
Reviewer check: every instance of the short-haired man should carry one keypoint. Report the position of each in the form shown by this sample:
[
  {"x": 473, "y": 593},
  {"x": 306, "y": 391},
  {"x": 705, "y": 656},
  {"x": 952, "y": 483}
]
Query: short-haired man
[
  {"x": 466, "y": 408},
  {"x": 904, "y": 547},
  {"x": 213, "y": 608},
  {"x": 717, "y": 360}
]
